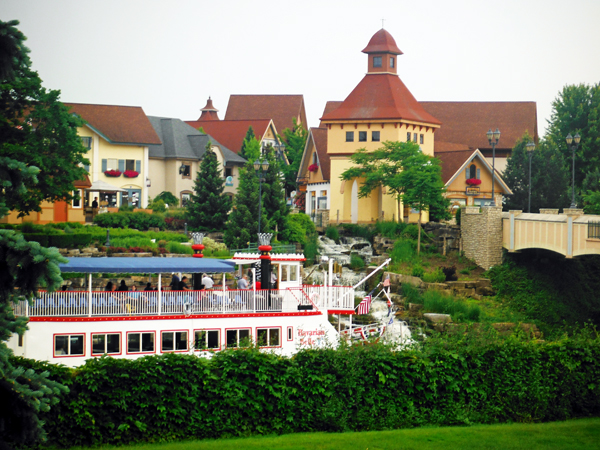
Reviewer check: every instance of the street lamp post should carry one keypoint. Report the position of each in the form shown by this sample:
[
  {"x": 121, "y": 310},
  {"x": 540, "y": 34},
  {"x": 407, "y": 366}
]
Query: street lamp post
[
  {"x": 493, "y": 138},
  {"x": 575, "y": 143},
  {"x": 530, "y": 148},
  {"x": 261, "y": 168}
]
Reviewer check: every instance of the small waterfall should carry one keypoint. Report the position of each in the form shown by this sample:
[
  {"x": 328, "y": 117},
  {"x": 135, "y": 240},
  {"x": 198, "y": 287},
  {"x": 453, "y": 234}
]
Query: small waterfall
[{"x": 341, "y": 252}]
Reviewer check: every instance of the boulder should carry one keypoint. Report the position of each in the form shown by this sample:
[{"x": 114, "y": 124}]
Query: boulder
[{"x": 437, "y": 318}]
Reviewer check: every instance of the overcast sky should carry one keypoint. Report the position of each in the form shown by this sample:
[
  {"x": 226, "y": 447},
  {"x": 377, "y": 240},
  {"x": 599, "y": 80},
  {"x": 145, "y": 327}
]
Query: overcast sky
[{"x": 169, "y": 56}]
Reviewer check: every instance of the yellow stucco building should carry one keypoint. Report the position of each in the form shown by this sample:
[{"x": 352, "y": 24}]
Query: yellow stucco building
[{"x": 379, "y": 109}]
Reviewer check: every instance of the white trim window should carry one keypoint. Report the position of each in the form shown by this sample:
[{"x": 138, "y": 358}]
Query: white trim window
[
  {"x": 77, "y": 199},
  {"x": 207, "y": 339},
  {"x": 140, "y": 342},
  {"x": 268, "y": 337},
  {"x": 69, "y": 345},
  {"x": 174, "y": 341},
  {"x": 106, "y": 343},
  {"x": 238, "y": 337}
]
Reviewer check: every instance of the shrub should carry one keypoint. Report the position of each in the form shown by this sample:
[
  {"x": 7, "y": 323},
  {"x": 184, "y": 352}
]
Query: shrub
[
  {"x": 442, "y": 303},
  {"x": 390, "y": 229},
  {"x": 61, "y": 240},
  {"x": 356, "y": 262},
  {"x": 418, "y": 271},
  {"x": 176, "y": 247},
  {"x": 457, "y": 216},
  {"x": 332, "y": 233},
  {"x": 403, "y": 251},
  {"x": 411, "y": 293},
  {"x": 364, "y": 231},
  {"x": 301, "y": 228},
  {"x": 126, "y": 208},
  {"x": 41, "y": 238},
  {"x": 311, "y": 249},
  {"x": 158, "y": 206},
  {"x": 437, "y": 276},
  {"x": 30, "y": 227}
]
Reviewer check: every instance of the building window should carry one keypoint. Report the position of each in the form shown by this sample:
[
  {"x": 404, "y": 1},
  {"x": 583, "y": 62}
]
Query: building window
[
  {"x": 69, "y": 345},
  {"x": 362, "y": 136},
  {"x": 112, "y": 164},
  {"x": 185, "y": 198},
  {"x": 375, "y": 136},
  {"x": 185, "y": 170},
  {"x": 472, "y": 171},
  {"x": 268, "y": 337},
  {"x": 376, "y": 61},
  {"x": 421, "y": 138},
  {"x": 408, "y": 135},
  {"x": 140, "y": 342},
  {"x": 238, "y": 338},
  {"x": 174, "y": 341},
  {"x": 207, "y": 339},
  {"x": 314, "y": 158},
  {"x": 415, "y": 137},
  {"x": 131, "y": 197},
  {"x": 228, "y": 172},
  {"x": 77, "y": 195},
  {"x": 349, "y": 136},
  {"x": 86, "y": 142},
  {"x": 392, "y": 62},
  {"x": 107, "y": 343}
]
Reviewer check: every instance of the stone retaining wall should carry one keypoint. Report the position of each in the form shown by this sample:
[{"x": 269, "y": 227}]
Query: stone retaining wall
[{"x": 482, "y": 234}]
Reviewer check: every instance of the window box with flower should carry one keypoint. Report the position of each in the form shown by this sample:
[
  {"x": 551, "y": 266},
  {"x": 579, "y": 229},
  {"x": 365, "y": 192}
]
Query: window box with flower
[
  {"x": 130, "y": 174},
  {"x": 473, "y": 182},
  {"x": 112, "y": 173},
  {"x": 313, "y": 168}
]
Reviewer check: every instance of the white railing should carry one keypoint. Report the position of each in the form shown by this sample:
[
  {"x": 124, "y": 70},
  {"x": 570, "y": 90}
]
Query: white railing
[{"x": 84, "y": 303}]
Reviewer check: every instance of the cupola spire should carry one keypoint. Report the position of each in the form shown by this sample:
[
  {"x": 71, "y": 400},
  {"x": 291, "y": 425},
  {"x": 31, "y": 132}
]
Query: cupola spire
[
  {"x": 209, "y": 112},
  {"x": 382, "y": 51}
]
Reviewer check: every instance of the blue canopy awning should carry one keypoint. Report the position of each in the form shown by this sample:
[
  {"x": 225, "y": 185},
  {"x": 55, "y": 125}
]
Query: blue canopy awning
[{"x": 146, "y": 265}]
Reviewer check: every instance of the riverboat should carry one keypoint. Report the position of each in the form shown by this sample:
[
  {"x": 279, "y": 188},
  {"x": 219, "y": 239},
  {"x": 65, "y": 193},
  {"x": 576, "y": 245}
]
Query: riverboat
[{"x": 70, "y": 327}]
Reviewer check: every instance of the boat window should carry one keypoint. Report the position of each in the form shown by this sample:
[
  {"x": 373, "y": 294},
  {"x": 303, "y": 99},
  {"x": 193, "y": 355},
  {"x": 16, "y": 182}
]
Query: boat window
[
  {"x": 106, "y": 343},
  {"x": 284, "y": 272},
  {"x": 268, "y": 337},
  {"x": 173, "y": 341},
  {"x": 207, "y": 339},
  {"x": 140, "y": 342},
  {"x": 239, "y": 338},
  {"x": 68, "y": 345},
  {"x": 290, "y": 333}
]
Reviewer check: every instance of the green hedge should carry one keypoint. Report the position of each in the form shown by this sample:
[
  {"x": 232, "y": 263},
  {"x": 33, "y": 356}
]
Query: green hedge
[
  {"x": 139, "y": 220},
  {"x": 60, "y": 240},
  {"x": 246, "y": 392}
]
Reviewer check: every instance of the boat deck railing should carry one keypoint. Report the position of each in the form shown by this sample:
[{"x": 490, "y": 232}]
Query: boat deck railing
[{"x": 154, "y": 303}]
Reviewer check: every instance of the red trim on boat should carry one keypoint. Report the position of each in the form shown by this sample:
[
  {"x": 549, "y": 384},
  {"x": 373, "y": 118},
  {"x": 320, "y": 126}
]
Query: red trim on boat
[{"x": 170, "y": 317}]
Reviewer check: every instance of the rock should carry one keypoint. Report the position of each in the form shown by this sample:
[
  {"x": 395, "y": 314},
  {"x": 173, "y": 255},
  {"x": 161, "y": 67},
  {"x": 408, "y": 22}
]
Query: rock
[
  {"x": 415, "y": 307},
  {"x": 437, "y": 318},
  {"x": 398, "y": 278},
  {"x": 89, "y": 250},
  {"x": 74, "y": 252}
]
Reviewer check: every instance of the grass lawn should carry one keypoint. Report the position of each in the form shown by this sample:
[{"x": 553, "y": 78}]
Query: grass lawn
[{"x": 572, "y": 434}]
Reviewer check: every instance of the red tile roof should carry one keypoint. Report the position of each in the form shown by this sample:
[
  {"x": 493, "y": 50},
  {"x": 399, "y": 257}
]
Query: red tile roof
[
  {"x": 319, "y": 136},
  {"x": 280, "y": 108},
  {"x": 468, "y": 122},
  {"x": 452, "y": 161},
  {"x": 118, "y": 124},
  {"x": 83, "y": 183},
  {"x": 231, "y": 133},
  {"x": 381, "y": 96},
  {"x": 330, "y": 106},
  {"x": 382, "y": 42}
]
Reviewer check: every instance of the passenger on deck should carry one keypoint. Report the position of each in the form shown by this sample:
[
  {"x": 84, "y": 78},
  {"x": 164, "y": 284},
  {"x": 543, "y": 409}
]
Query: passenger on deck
[
  {"x": 243, "y": 282},
  {"x": 123, "y": 287},
  {"x": 149, "y": 287},
  {"x": 174, "y": 282},
  {"x": 207, "y": 282},
  {"x": 183, "y": 284}
]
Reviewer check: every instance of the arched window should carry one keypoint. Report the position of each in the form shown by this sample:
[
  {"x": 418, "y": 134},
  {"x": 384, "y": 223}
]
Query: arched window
[{"x": 472, "y": 171}]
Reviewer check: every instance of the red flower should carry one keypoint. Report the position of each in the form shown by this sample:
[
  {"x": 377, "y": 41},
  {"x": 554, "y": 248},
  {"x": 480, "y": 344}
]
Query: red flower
[
  {"x": 113, "y": 173},
  {"x": 130, "y": 174},
  {"x": 473, "y": 182},
  {"x": 313, "y": 167}
]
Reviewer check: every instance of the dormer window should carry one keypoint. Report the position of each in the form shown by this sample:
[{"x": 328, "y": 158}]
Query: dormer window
[
  {"x": 376, "y": 61},
  {"x": 392, "y": 62}
]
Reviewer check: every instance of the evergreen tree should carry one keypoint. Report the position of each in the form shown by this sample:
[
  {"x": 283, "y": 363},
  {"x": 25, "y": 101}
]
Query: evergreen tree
[
  {"x": 208, "y": 206},
  {"x": 295, "y": 141},
  {"x": 274, "y": 207},
  {"x": 26, "y": 265},
  {"x": 242, "y": 225},
  {"x": 249, "y": 138},
  {"x": 549, "y": 177}
]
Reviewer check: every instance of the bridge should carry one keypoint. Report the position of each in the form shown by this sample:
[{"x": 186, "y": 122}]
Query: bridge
[
  {"x": 485, "y": 231},
  {"x": 571, "y": 234}
]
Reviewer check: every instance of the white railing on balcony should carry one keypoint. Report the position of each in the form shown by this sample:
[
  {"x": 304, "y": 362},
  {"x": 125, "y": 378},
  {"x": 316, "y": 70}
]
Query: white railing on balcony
[{"x": 84, "y": 303}]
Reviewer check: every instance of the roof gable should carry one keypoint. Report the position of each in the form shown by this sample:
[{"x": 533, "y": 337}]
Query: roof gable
[
  {"x": 468, "y": 122},
  {"x": 117, "y": 124},
  {"x": 381, "y": 96},
  {"x": 231, "y": 133},
  {"x": 317, "y": 137},
  {"x": 280, "y": 108}
]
